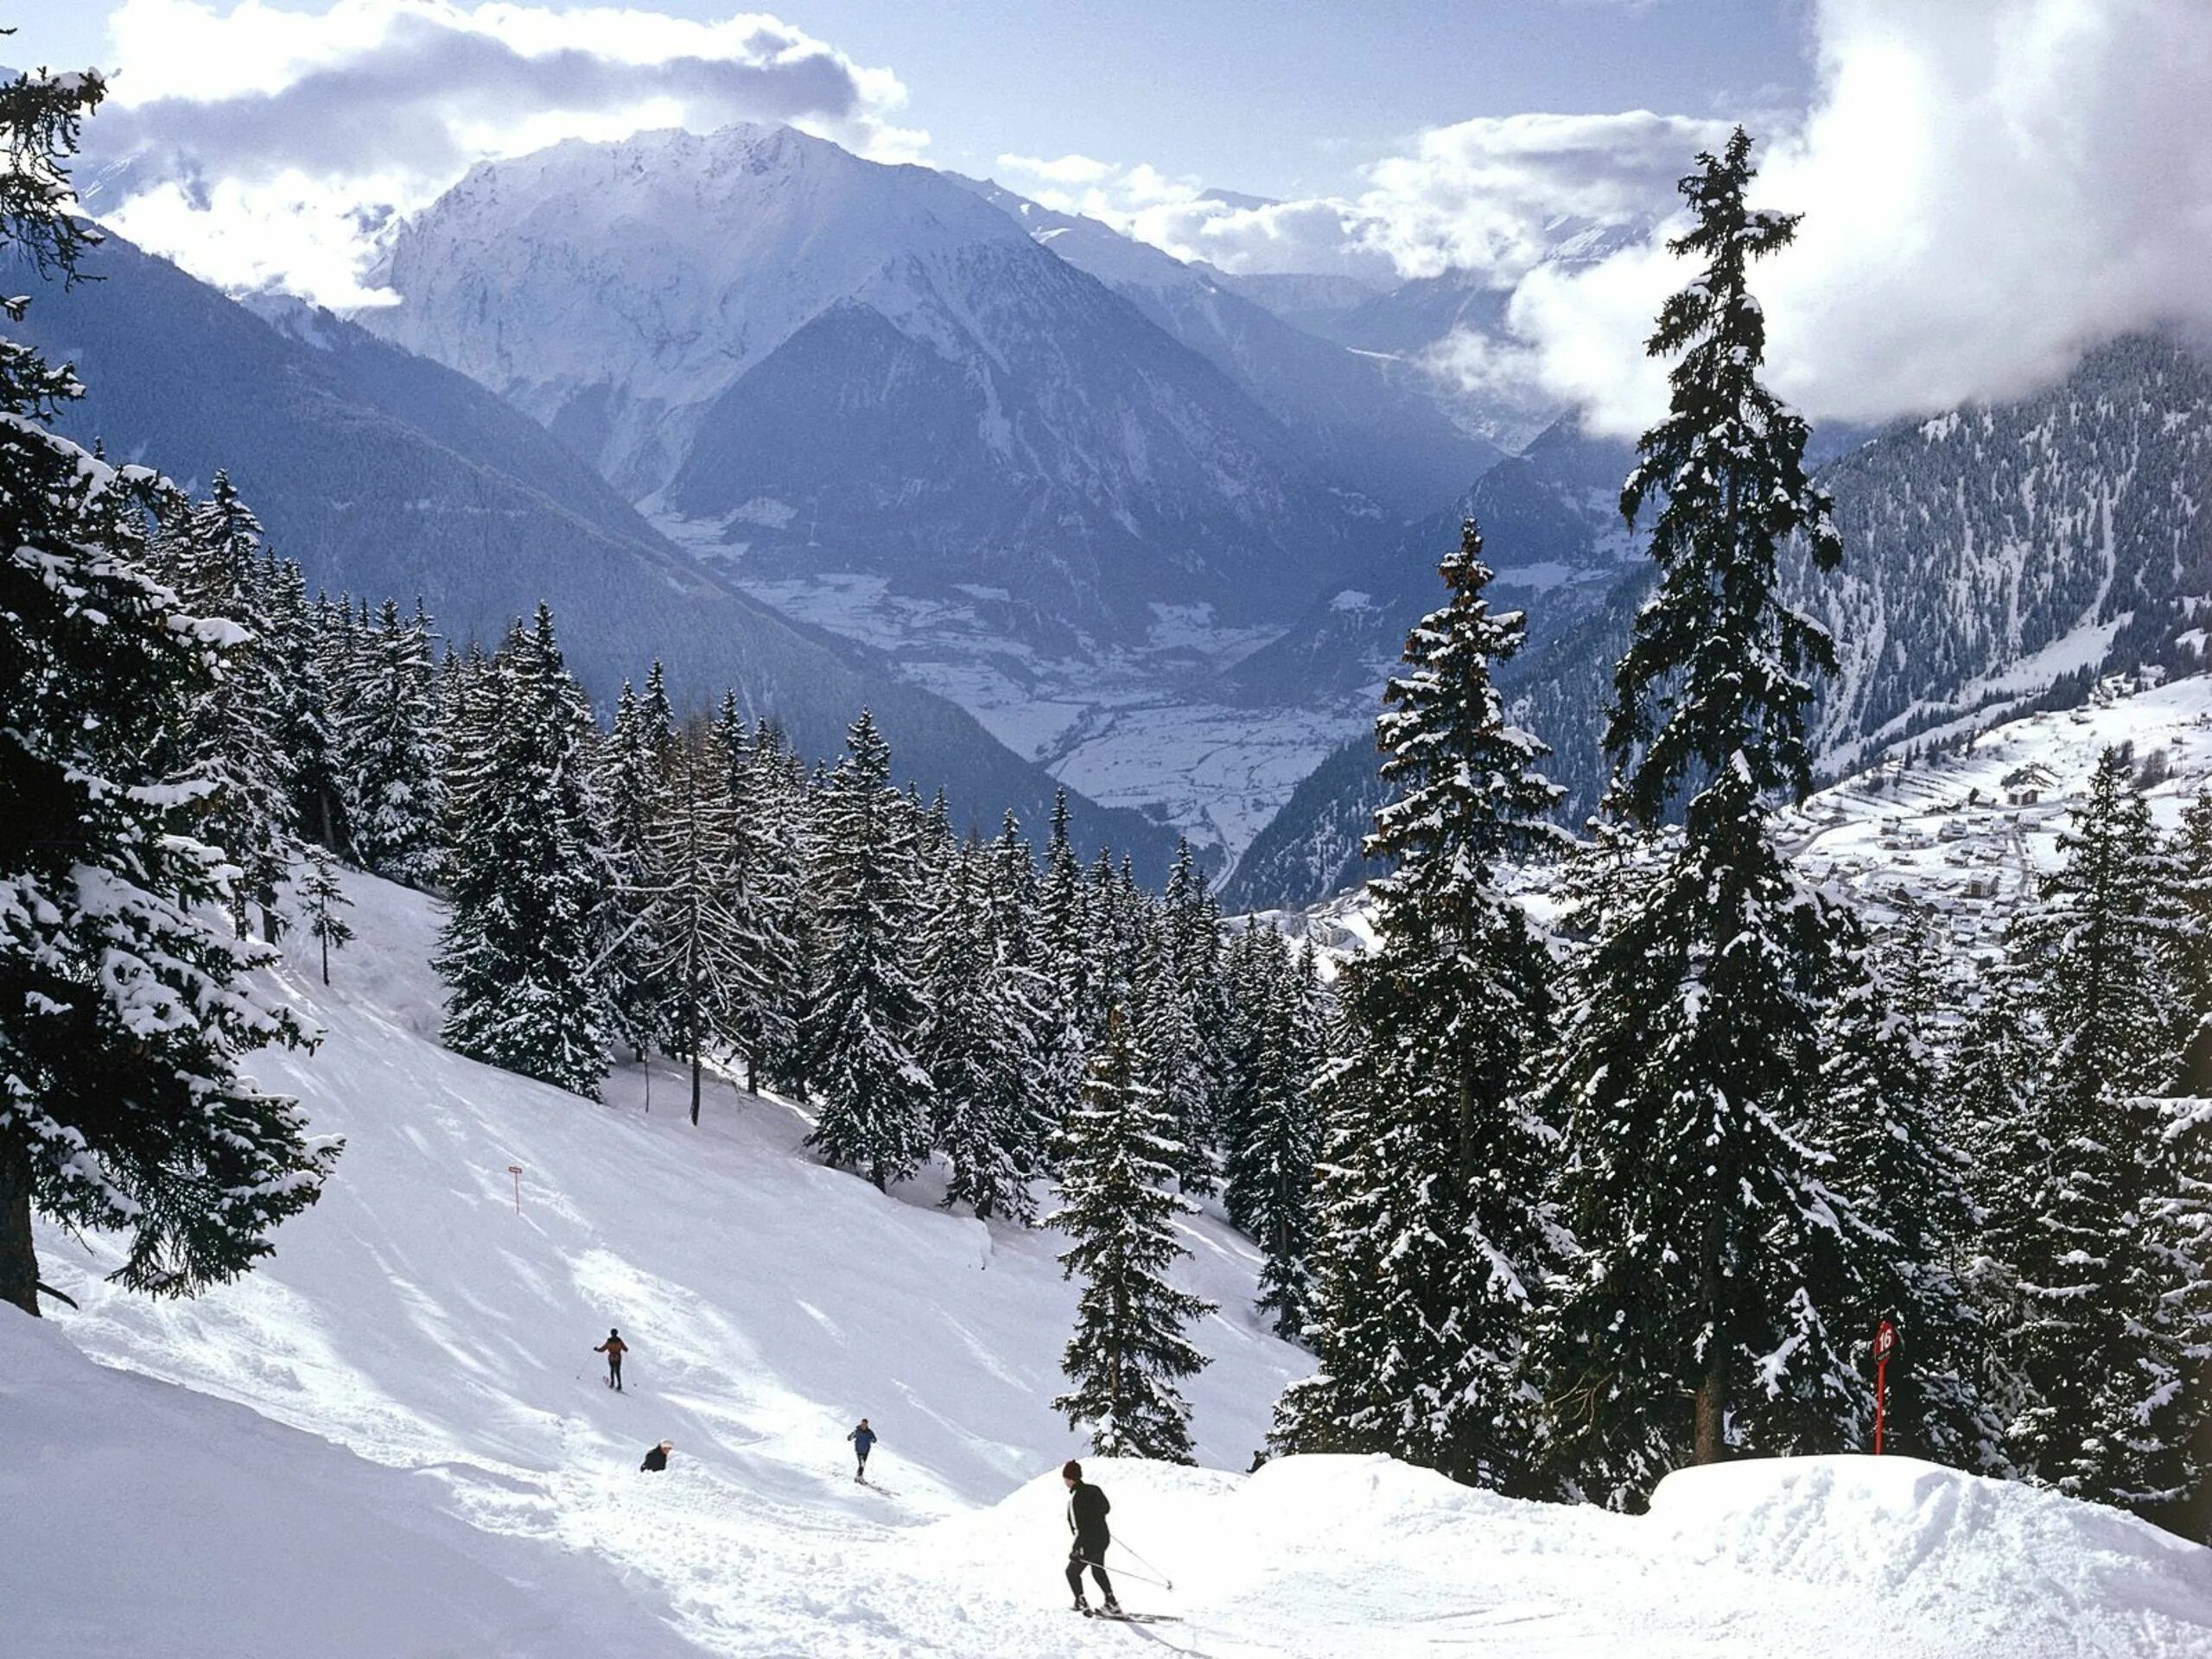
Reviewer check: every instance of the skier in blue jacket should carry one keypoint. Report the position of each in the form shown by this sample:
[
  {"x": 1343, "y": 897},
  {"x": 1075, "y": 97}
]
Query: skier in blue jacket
[{"x": 863, "y": 1438}]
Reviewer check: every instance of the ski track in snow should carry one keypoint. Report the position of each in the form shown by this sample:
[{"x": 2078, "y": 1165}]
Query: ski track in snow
[{"x": 394, "y": 1439}]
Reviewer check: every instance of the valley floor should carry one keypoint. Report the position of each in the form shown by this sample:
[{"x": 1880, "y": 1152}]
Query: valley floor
[{"x": 394, "y": 1439}]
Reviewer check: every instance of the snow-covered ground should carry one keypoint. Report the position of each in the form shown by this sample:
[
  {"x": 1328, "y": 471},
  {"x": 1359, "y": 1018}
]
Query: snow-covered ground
[
  {"x": 368, "y": 1448},
  {"x": 1968, "y": 834}
]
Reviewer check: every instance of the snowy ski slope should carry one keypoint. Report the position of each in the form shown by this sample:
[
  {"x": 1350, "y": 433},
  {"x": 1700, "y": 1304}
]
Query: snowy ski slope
[{"x": 393, "y": 1441}]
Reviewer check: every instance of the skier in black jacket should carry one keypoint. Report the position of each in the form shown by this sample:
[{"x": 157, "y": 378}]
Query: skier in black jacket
[
  {"x": 657, "y": 1457},
  {"x": 1087, "y": 1508}
]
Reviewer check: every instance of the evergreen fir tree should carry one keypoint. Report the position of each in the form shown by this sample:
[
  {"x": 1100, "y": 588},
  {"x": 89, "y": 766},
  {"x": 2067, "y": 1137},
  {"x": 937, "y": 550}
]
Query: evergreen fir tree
[
  {"x": 874, "y": 1094},
  {"x": 1911, "y": 1215},
  {"x": 1118, "y": 1209},
  {"x": 702, "y": 955},
  {"x": 1063, "y": 919},
  {"x": 631, "y": 776},
  {"x": 123, "y": 1014},
  {"x": 1696, "y": 1315},
  {"x": 212, "y": 554},
  {"x": 517, "y": 953},
  {"x": 2111, "y": 1396},
  {"x": 970, "y": 1045},
  {"x": 321, "y": 899},
  {"x": 1442, "y": 1023},
  {"x": 2190, "y": 942},
  {"x": 389, "y": 740},
  {"x": 768, "y": 796},
  {"x": 1277, "y": 1132},
  {"x": 306, "y": 738},
  {"x": 1988, "y": 1083}
]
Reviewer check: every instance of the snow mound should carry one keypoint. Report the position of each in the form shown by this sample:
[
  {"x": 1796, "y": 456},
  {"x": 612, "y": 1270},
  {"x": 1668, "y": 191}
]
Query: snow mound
[
  {"x": 1811, "y": 1557},
  {"x": 1953, "y": 1563},
  {"x": 146, "y": 1519}
]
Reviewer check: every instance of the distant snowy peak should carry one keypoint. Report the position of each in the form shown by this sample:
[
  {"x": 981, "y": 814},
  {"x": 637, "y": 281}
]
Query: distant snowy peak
[
  {"x": 811, "y": 363},
  {"x": 668, "y": 263}
]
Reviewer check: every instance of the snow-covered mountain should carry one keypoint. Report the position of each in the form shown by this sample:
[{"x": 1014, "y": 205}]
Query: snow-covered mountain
[
  {"x": 366, "y": 1450},
  {"x": 1995, "y": 558},
  {"x": 823, "y": 365},
  {"x": 1366, "y": 421},
  {"x": 384, "y": 474}
]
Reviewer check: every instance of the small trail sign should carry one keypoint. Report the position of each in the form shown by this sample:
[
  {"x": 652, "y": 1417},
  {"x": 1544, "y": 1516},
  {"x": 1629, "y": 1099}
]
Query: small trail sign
[{"x": 1886, "y": 1348}]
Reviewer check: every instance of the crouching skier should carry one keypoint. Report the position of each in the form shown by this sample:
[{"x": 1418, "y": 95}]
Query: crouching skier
[
  {"x": 657, "y": 1457},
  {"x": 1087, "y": 1510}
]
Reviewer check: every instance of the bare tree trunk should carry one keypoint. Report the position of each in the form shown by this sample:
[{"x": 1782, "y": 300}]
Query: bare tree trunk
[
  {"x": 1710, "y": 1404},
  {"x": 18, "y": 1259},
  {"x": 694, "y": 1085}
]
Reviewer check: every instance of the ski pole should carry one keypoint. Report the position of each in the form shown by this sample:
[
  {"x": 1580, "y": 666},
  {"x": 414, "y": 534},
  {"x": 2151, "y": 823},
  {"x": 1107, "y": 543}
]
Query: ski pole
[
  {"x": 1163, "y": 1581},
  {"x": 1123, "y": 1572}
]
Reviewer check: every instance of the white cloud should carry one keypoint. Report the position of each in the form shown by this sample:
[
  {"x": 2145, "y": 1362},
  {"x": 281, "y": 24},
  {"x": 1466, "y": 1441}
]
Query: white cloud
[
  {"x": 259, "y": 146},
  {"x": 1988, "y": 191},
  {"x": 1476, "y": 196},
  {"x": 1061, "y": 170}
]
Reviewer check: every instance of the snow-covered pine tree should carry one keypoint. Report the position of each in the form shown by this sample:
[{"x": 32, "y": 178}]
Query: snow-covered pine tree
[
  {"x": 1118, "y": 1206},
  {"x": 1988, "y": 1083},
  {"x": 1007, "y": 1065},
  {"x": 1251, "y": 959},
  {"x": 1909, "y": 1213},
  {"x": 1375, "y": 1215},
  {"x": 872, "y": 1093},
  {"x": 321, "y": 897},
  {"x": 1062, "y": 924},
  {"x": 701, "y": 958},
  {"x": 467, "y": 701},
  {"x": 1708, "y": 1308},
  {"x": 2190, "y": 942},
  {"x": 2112, "y": 1397},
  {"x": 971, "y": 1045},
  {"x": 306, "y": 737},
  {"x": 1282, "y": 1009},
  {"x": 1193, "y": 1082},
  {"x": 768, "y": 792},
  {"x": 631, "y": 778},
  {"x": 211, "y": 553},
  {"x": 336, "y": 655},
  {"x": 123, "y": 1014},
  {"x": 391, "y": 743},
  {"x": 1121, "y": 942},
  {"x": 517, "y": 953},
  {"x": 1443, "y": 1021},
  {"x": 1045, "y": 1058}
]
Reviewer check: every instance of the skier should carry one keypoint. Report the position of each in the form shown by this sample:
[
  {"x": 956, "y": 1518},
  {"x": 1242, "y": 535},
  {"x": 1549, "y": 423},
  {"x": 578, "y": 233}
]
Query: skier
[
  {"x": 1087, "y": 1508},
  {"x": 614, "y": 1348},
  {"x": 656, "y": 1458},
  {"x": 863, "y": 1439}
]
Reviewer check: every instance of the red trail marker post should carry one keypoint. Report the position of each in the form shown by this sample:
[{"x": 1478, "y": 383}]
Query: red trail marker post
[
  {"x": 1886, "y": 1347},
  {"x": 515, "y": 1170}
]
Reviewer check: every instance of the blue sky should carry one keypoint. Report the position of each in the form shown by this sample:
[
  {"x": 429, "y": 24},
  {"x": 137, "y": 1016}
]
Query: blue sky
[{"x": 1281, "y": 97}]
